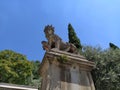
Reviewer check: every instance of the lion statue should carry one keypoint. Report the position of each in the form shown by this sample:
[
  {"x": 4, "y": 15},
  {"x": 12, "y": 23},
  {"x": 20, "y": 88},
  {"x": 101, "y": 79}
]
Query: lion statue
[{"x": 54, "y": 41}]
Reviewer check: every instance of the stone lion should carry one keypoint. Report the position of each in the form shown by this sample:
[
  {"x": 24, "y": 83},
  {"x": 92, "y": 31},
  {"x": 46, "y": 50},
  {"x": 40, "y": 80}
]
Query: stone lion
[{"x": 54, "y": 41}]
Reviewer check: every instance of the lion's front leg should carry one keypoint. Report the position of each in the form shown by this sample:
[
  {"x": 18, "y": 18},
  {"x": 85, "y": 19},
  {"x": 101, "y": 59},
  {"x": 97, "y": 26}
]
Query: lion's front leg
[
  {"x": 50, "y": 43},
  {"x": 57, "y": 44}
]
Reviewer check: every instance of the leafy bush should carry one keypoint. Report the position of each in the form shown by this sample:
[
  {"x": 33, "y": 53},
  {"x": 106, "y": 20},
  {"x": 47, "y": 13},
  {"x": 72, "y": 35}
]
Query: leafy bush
[{"x": 106, "y": 75}]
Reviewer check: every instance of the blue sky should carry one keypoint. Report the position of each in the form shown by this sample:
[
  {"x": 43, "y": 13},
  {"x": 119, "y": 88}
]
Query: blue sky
[{"x": 96, "y": 22}]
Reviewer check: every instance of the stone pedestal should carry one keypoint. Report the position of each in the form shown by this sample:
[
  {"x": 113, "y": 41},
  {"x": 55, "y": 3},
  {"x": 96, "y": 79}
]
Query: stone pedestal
[{"x": 64, "y": 71}]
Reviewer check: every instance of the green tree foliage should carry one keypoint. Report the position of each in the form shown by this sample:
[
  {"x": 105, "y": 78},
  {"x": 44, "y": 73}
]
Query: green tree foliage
[
  {"x": 113, "y": 46},
  {"x": 106, "y": 75},
  {"x": 36, "y": 65},
  {"x": 36, "y": 77},
  {"x": 73, "y": 38},
  {"x": 14, "y": 68}
]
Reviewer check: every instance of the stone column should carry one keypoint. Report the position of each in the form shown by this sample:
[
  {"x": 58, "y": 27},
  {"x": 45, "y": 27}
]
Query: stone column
[{"x": 65, "y": 71}]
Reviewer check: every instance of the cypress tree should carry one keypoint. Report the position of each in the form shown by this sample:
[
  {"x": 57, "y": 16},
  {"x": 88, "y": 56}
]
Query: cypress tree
[
  {"x": 113, "y": 46},
  {"x": 73, "y": 38}
]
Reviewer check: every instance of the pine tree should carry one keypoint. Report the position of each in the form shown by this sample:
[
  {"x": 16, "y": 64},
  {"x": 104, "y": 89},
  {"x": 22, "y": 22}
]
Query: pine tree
[{"x": 73, "y": 38}]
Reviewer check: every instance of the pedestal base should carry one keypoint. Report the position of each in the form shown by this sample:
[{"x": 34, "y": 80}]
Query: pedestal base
[{"x": 64, "y": 71}]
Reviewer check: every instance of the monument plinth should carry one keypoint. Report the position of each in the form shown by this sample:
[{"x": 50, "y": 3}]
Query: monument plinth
[
  {"x": 72, "y": 74},
  {"x": 62, "y": 67}
]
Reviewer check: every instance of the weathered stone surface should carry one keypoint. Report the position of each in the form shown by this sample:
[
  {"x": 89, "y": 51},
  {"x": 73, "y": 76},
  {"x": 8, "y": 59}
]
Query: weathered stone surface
[{"x": 73, "y": 74}]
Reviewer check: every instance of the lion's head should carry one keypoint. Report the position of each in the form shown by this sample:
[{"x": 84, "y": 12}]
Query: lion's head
[{"x": 49, "y": 30}]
